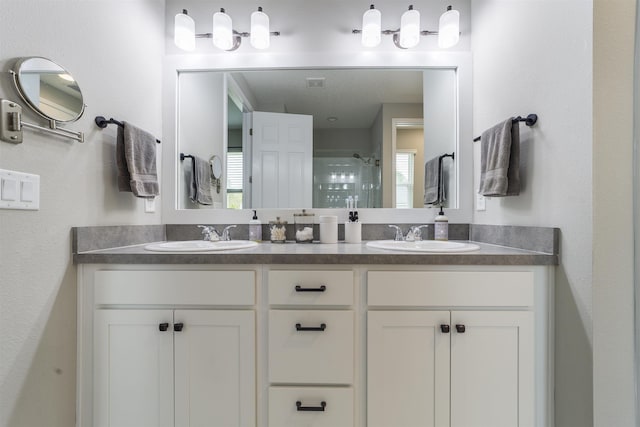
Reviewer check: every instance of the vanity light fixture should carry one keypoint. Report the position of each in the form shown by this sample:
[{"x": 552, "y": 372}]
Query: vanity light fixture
[
  {"x": 408, "y": 35},
  {"x": 223, "y": 35}
]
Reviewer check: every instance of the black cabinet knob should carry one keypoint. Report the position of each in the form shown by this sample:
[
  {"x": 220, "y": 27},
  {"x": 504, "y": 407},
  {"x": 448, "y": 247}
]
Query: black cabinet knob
[
  {"x": 445, "y": 329},
  {"x": 163, "y": 327},
  {"x": 461, "y": 329},
  {"x": 178, "y": 327}
]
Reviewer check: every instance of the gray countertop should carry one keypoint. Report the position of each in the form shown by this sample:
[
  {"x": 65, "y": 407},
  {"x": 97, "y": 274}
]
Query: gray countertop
[{"x": 317, "y": 253}]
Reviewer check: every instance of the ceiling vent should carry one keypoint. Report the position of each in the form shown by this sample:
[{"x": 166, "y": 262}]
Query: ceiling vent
[{"x": 315, "y": 82}]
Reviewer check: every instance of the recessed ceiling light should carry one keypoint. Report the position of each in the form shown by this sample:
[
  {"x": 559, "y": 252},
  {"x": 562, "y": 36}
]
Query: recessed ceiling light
[{"x": 332, "y": 119}]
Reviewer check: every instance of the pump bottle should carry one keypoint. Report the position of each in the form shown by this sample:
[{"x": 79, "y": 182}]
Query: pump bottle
[
  {"x": 441, "y": 226},
  {"x": 255, "y": 228}
]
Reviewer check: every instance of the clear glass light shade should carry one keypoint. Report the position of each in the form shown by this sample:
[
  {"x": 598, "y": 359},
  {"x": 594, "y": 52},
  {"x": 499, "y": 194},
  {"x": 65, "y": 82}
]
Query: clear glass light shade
[
  {"x": 371, "y": 28},
  {"x": 184, "y": 35},
  {"x": 410, "y": 28},
  {"x": 260, "y": 36},
  {"x": 222, "y": 31},
  {"x": 449, "y": 29}
]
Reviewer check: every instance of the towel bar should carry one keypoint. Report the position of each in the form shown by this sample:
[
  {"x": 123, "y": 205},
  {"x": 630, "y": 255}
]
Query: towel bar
[
  {"x": 102, "y": 123},
  {"x": 530, "y": 120}
]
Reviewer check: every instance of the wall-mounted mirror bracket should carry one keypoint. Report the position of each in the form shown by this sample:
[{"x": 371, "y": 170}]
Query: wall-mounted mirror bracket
[{"x": 11, "y": 125}]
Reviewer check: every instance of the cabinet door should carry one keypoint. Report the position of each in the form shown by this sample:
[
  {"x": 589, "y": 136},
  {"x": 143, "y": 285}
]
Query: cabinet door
[
  {"x": 133, "y": 369},
  {"x": 215, "y": 368},
  {"x": 492, "y": 369},
  {"x": 407, "y": 369}
]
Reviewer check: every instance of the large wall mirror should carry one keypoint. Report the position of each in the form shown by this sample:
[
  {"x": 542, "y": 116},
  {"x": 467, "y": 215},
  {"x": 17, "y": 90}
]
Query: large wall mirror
[{"x": 312, "y": 138}]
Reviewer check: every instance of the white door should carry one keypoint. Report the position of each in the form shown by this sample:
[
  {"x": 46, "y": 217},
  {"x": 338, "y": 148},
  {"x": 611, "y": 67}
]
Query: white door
[
  {"x": 492, "y": 369},
  {"x": 215, "y": 368},
  {"x": 282, "y": 170},
  {"x": 133, "y": 368},
  {"x": 407, "y": 369}
]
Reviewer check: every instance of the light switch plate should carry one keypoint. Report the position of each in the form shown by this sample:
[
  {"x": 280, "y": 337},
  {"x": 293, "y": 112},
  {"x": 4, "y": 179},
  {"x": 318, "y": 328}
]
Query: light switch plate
[{"x": 19, "y": 190}]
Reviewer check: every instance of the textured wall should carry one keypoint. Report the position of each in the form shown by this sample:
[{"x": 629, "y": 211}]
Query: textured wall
[
  {"x": 114, "y": 49},
  {"x": 520, "y": 69}
]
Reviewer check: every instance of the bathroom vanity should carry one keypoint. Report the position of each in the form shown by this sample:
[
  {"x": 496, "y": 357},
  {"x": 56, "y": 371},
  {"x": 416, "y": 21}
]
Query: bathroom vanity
[{"x": 315, "y": 335}]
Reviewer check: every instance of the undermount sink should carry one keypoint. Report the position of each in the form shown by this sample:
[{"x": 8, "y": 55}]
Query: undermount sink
[
  {"x": 423, "y": 246},
  {"x": 200, "y": 245}
]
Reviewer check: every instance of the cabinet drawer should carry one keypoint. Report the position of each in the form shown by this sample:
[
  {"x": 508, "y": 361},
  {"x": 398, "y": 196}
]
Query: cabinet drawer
[
  {"x": 315, "y": 354},
  {"x": 306, "y": 287},
  {"x": 160, "y": 287},
  {"x": 284, "y": 411},
  {"x": 450, "y": 288}
]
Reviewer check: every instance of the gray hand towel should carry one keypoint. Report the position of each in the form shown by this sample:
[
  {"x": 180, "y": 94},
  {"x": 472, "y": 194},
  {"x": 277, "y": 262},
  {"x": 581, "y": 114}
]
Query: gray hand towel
[
  {"x": 136, "y": 162},
  {"x": 500, "y": 160},
  {"x": 200, "y": 188},
  {"x": 432, "y": 182}
]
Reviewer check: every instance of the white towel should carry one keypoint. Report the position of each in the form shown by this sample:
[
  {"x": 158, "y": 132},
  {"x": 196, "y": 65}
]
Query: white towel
[
  {"x": 500, "y": 160},
  {"x": 136, "y": 161}
]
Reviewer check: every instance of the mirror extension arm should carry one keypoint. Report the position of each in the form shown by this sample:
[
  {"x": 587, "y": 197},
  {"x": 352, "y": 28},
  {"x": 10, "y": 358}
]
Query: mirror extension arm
[{"x": 11, "y": 125}]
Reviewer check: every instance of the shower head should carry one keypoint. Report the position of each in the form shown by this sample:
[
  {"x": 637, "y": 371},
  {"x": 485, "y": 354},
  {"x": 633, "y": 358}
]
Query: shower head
[{"x": 356, "y": 155}]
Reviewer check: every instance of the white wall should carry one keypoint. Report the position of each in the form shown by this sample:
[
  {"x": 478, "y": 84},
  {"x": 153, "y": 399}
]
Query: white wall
[
  {"x": 114, "y": 49},
  {"x": 342, "y": 142},
  {"x": 535, "y": 56}
]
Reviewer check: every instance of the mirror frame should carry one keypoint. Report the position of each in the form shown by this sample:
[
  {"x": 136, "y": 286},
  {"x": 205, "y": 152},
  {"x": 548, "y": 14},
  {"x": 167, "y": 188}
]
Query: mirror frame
[
  {"x": 22, "y": 92},
  {"x": 174, "y": 64}
]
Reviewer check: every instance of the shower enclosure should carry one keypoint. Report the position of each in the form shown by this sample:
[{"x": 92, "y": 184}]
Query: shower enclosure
[{"x": 335, "y": 179}]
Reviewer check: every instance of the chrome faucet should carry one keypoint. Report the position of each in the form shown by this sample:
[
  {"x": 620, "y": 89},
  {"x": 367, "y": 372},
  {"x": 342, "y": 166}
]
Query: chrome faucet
[{"x": 414, "y": 233}]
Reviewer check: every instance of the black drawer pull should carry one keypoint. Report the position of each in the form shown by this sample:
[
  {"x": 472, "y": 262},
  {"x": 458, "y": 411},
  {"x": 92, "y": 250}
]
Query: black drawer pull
[
  {"x": 320, "y": 408},
  {"x": 461, "y": 329},
  {"x": 322, "y": 327},
  {"x": 163, "y": 327},
  {"x": 445, "y": 329},
  {"x": 178, "y": 327},
  {"x": 322, "y": 288}
]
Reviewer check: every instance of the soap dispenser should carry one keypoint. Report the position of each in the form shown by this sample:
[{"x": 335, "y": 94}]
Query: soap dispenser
[
  {"x": 441, "y": 226},
  {"x": 255, "y": 228}
]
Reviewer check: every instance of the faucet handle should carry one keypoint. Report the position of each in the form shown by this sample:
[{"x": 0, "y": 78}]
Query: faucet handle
[
  {"x": 416, "y": 230},
  {"x": 210, "y": 233},
  {"x": 398, "y": 236},
  {"x": 225, "y": 232}
]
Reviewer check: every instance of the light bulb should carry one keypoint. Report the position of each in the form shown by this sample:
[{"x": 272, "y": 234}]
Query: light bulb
[
  {"x": 260, "y": 36},
  {"x": 184, "y": 35},
  {"x": 410, "y": 28},
  {"x": 222, "y": 31},
  {"x": 449, "y": 28},
  {"x": 371, "y": 27}
]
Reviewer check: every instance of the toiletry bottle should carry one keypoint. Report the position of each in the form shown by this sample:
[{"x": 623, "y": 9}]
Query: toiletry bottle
[
  {"x": 255, "y": 228},
  {"x": 441, "y": 226}
]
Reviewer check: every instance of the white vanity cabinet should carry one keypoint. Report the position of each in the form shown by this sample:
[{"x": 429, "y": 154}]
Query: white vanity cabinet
[
  {"x": 315, "y": 345},
  {"x": 311, "y": 348},
  {"x": 451, "y": 348},
  {"x": 173, "y": 348}
]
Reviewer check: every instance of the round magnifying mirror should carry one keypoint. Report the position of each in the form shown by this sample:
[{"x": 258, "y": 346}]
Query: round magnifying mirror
[
  {"x": 216, "y": 166},
  {"x": 50, "y": 90}
]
